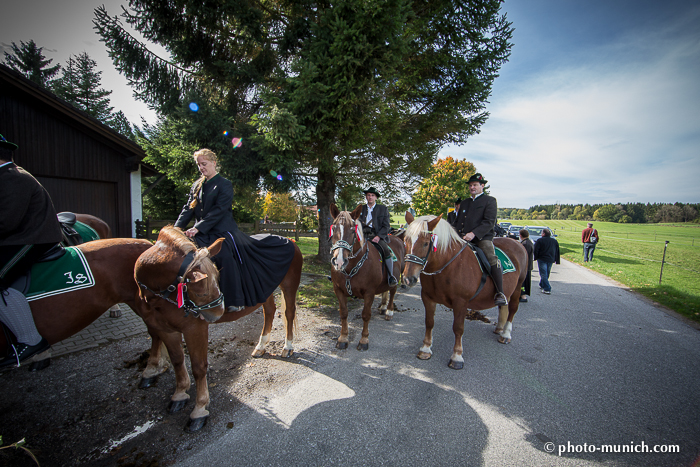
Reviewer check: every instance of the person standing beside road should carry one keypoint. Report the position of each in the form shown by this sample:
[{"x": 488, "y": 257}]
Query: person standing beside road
[
  {"x": 376, "y": 224},
  {"x": 452, "y": 216},
  {"x": 527, "y": 243},
  {"x": 28, "y": 229},
  {"x": 546, "y": 253},
  {"x": 475, "y": 223},
  {"x": 589, "y": 237}
]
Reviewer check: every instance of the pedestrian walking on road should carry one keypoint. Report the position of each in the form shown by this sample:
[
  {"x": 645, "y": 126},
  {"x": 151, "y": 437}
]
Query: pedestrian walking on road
[
  {"x": 546, "y": 252},
  {"x": 589, "y": 237},
  {"x": 527, "y": 243}
]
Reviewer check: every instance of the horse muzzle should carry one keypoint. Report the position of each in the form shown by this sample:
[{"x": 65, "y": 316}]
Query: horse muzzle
[
  {"x": 409, "y": 281},
  {"x": 212, "y": 315}
]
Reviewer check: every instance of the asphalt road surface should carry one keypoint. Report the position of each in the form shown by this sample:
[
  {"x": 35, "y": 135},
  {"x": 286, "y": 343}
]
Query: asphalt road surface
[{"x": 595, "y": 375}]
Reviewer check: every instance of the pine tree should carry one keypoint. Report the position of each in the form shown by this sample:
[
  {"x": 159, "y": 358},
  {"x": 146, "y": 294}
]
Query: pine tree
[
  {"x": 80, "y": 86},
  {"x": 119, "y": 123},
  {"x": 29, "y": 60}
]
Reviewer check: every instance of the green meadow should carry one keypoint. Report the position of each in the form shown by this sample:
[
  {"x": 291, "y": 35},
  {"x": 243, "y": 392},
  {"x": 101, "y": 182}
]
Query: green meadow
[{"x": 632, "y": 255}]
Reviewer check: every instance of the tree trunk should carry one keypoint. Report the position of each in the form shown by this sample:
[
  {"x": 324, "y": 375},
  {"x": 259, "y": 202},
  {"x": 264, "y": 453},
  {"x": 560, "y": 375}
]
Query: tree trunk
[{"x": 325, "y": 195}]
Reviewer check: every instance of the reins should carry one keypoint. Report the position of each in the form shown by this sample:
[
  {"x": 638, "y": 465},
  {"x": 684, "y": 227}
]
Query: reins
[{"x": 183, "y": 297}]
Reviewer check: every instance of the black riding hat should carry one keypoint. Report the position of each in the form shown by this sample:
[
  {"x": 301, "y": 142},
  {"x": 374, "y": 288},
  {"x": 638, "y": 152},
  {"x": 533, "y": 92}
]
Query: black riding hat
[
  {"x": 5, "y": 144},
  {"x": 477, "y": 177},
  {"x": 458, "y": 201},
  {"x": 371, "y": 190}
]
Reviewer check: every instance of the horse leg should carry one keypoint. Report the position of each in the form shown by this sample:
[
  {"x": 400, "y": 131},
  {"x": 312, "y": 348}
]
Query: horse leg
[
  {"x": 173, "y": 342},
  {"x": 505, "y": 337},
  {"x": 426, "y": 351},
  {"x": 197, "y": 340},
  {"x": 343, "y": 339},
  {"x": 269, "y": 309},
  {"x": 457, "y": 360},
  {"x": 366, "y": 316},
  {"x": 390, "y": 306},
  {"x": 157, "y": 362},
  {"x": 385, "y": 301},
  {"x": 290, "y": 320}
]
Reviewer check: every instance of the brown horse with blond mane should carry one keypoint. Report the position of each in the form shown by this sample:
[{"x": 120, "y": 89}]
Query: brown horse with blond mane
[
  {"x": 450, "y": 275},
  {"x": 358, "y": 270},
  {"x": 177, "y": 280}
]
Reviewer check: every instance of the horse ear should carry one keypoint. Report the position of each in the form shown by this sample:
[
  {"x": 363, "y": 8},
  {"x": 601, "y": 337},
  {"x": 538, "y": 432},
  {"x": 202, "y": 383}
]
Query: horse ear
[
  {"x": 198, "y": 276},
  {"x": 434, "y": 222},
  {"x": 215, "y": 247},
  {"x": 355, "y": 214},
  {"x": 334, "y": 211},
  {"x": 409, "y": 217}
]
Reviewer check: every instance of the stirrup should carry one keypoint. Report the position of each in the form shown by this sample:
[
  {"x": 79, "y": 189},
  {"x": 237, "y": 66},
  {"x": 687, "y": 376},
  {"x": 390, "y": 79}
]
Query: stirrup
[
  {"x": 500, "y": 299},
  {"x": 393, "y": 282}
]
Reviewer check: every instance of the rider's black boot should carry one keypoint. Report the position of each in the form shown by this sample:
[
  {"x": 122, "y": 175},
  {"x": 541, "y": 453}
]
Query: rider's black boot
[
  {"x": 497, "y": 275},
  {"x": 390, "y": 272},
  {"x": 24, "y": 351}
]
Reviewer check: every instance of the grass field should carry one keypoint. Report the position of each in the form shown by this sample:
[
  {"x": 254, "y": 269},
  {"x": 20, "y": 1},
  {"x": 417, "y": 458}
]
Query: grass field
[{"x": 632, "y": 254}]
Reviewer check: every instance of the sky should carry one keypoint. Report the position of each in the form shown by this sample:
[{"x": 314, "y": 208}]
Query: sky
[{"x": 599, "y": 102}]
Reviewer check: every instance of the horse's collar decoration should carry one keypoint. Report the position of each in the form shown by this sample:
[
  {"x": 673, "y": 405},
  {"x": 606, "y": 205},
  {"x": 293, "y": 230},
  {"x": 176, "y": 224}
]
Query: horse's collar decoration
[
  {"x": 342, "y": 244},
  {"x": 183, "y": 298}
]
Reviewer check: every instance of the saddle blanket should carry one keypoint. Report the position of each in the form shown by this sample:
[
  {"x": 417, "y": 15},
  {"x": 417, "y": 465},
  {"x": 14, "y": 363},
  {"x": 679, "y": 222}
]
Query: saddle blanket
[
  {"x": 68, "y": 273},
  {"x": 506, "y": 264},
  {"x": 86, "y": 232}
]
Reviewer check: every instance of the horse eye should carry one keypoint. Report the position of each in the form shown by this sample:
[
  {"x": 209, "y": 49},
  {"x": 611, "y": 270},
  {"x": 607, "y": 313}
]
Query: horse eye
[{"x": 425, "y": 244}]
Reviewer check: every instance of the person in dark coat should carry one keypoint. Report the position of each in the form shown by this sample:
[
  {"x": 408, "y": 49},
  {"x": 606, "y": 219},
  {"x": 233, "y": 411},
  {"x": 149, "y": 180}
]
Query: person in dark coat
[
  {"x": 527, "y": 243},
  {"x": 475, "y": 222},
  {"x": 452, "y": 216},
  {"x": 28, "y": 229},
  {"x": 546, "y": 253},
  {"x": 251, "y": 267},
  {"x": 376, "y": 224}
]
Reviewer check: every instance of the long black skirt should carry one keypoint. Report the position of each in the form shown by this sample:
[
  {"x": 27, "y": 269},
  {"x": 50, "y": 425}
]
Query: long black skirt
[{"x": 251, "y": 267}]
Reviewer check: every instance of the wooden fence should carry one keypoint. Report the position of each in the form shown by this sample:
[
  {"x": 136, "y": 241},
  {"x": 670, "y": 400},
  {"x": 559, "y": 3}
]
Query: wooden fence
[{"x": 149, "y": 229}]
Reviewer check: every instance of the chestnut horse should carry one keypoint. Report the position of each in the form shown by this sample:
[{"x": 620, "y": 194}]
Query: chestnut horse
[
  {"x": 61, "y": 316},
  {"x": 161, "y": 269},
  {"x": 97, "y": 224},
  {"x": 358, "y": 270},
  {"x": 450, "y": 275}
]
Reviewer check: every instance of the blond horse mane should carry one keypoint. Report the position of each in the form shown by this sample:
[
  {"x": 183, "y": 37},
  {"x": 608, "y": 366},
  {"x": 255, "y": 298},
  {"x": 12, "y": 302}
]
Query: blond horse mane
[
  {"x": 446, "y": 235},
  {"x": 345, "y": 217},
  {"x": 174, "y": 238}
]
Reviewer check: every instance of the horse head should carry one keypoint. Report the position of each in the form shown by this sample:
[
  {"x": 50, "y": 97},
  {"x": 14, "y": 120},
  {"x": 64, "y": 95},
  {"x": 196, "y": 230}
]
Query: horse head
[
  {"x": 345, "y": 230},
  {"x": 174, "y": 270},
  {"x": 427, "y": 238}
]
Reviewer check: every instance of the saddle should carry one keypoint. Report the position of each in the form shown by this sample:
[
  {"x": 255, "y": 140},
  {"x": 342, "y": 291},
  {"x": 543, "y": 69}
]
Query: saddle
[{"x": 71, "y": 237}]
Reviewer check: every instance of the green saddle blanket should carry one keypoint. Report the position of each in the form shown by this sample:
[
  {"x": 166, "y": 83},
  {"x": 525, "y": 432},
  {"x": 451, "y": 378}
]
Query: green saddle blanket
[
  {"x": 68, "y": 273},
  {"x": 86, "y": 232},
  {"x": 506, "y": 264}
]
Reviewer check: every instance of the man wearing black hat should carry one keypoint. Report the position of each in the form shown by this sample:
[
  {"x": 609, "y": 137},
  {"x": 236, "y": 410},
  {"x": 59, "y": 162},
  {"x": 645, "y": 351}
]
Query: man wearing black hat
[
  {"x": 475, "y": 223},
  {"x": 28, "y": 229},
  {"x": 452, "y": 216},
  {"x": 376, "y": 223}
]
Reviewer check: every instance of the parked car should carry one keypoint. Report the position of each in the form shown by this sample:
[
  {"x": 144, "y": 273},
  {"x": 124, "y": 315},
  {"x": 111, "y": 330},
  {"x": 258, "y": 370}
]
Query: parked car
[
  {"x": 514, "y": 231},
  {"x": 505, "y": 225},
  {"x": 535, "y": 232}
]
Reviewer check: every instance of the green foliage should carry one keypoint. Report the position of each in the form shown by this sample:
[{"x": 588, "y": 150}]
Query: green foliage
[
  {"x": 308, "y": 219},
  {"x": 119, "y": 123},
  {"x": 29, "y": 60},
  {"x": 20, "y": 445},
  {"x": 79, "y": 85},
  {"x": 446, "y": 182},
  {"x": 280, "y": 207}
]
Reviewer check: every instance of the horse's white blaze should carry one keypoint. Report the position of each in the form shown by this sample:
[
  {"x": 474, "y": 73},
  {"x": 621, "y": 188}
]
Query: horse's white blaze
[
  {"x": 262, "y": 342},
  {"x": 427, "y": 349},
  {"x": 506, "y": 331}
]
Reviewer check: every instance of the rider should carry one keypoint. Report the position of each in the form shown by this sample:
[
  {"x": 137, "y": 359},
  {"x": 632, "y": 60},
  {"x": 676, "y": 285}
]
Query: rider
[
  {"x": 376, "y": 223},
  {"x": 475, "y": 223},
  {"x": 251, "y": 267},
  {"x": 28, "y": 229}
]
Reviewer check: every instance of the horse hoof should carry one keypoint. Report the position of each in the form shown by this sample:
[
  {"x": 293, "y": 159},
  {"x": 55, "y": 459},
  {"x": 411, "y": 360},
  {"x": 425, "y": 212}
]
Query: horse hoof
[
  {"x": 196, "y": 424},
  {"x": 176, "y": 406},
  {"x": 286, "y": 353},
  {"x": 497, "y": 331},
  {"x": 362, "y": 347},
  {"x": 146, "y": 383},
  {"x": 257, "y": 353},
  {"x": 388, "y": 317},
  {"x": 424, "y": 355},
  {"x": 504, "y": 340},
  {"x": 40, "y": 365},
  {"x": 341, "y": 345},
  {"x": 456, "y": 365},
  {"x": 382, "y": 312}
]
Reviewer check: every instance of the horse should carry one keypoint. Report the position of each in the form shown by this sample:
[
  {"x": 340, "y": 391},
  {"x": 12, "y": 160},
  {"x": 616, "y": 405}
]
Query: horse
[
  {"x": 351, "y": 252},
  {"x": 451, "y": 276},
  {"x": 160, "y": 269},
  {"x": 60, "y": 316}
]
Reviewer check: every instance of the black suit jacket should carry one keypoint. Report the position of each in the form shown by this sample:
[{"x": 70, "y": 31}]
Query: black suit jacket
[
  {"x": 381, "y": 221},
  {"x": 478, "y": 216},
  {"x": 213, "y": 212}
]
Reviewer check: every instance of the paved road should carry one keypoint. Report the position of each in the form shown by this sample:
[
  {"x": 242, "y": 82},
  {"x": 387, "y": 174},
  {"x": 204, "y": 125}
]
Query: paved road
[{"x": 590, "y": 365}]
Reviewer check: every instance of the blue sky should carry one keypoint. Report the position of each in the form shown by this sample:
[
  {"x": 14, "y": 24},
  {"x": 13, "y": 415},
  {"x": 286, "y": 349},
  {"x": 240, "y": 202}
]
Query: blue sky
[{"x": 600, "y": 101}]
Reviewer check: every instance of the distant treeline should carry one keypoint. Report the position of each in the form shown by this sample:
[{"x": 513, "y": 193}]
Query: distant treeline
[{"x": 624, "y": 213}]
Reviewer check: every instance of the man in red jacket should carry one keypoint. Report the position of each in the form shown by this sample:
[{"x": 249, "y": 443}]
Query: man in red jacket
[{"x": 589, "y": 237}]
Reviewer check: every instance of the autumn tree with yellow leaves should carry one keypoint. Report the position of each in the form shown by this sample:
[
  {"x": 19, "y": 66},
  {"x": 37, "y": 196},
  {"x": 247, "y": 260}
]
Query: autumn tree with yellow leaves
[{"x": 446, "y": 182}]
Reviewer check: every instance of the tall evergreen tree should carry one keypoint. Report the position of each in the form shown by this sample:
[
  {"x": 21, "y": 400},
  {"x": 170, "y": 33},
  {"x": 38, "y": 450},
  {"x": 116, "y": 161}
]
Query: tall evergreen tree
[
  {"x": 332, "y": 94},
  {"x": 80, "y": 85},
  {"x": 29, "y": 60}
]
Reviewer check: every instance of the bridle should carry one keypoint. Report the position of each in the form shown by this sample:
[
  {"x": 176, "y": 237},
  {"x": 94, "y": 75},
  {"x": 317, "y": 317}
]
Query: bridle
[
  {"x": 344, "y": 245},
  {"x": 183, "y": 297},
  {"x": 411, "y": 258}
]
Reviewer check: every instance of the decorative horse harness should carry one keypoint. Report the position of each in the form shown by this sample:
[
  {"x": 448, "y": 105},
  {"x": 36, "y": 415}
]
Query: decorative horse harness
[
  {"x": 183, "y": 298},
  {"x": 410, "y": 258},
  {"x": 342, "y": 244}
]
